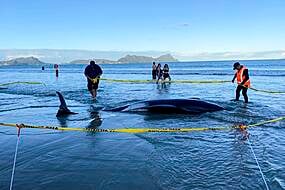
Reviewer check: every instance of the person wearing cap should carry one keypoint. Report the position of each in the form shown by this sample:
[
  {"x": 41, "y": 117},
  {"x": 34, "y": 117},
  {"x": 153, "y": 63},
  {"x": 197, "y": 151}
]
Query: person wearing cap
[
  {"x": 93, "y": 73},
  {"x": 242, "y": 80}
]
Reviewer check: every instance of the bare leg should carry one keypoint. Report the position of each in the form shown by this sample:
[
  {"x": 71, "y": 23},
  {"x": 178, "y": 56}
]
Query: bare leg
[
  {"x": 159, "y": 78},
  {"x": 93, "y": 93}
]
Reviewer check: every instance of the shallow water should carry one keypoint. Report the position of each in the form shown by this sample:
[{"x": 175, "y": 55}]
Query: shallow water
[{"x": 198, "y": 160}]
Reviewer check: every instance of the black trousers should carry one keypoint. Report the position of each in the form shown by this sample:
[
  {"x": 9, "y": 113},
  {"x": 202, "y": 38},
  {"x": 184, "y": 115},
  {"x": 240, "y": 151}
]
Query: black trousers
[
  {"x": 244, "y": 93},
  {"x": 153, "y": 74}
]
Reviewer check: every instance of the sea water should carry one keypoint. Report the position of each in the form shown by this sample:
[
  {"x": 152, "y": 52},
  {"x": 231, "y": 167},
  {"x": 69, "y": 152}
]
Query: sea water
[{"x": 50, "y": 159}]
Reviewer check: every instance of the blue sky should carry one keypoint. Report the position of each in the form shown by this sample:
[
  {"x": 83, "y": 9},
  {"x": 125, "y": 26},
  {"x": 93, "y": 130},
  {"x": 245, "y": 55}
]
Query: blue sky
[{"x": 181, "y": 26}]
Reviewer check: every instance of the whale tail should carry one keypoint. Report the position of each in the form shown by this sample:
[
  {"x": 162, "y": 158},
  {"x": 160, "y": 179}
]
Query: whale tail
[{"x": 63, "y": 110}]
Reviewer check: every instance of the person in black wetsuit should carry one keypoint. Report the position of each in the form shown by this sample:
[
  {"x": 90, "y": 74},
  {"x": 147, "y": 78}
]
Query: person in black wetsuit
[
  {"x": 243, "y": 81},
  {"x": 166, "y": 72},
  {"x": 153, "y": 71},
  {"x": 93, "y": 73}
]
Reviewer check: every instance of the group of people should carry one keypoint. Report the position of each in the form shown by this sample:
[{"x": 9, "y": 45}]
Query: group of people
[
  {"x": 160, "y": 74},
  {"x": 94, "y": 71}
]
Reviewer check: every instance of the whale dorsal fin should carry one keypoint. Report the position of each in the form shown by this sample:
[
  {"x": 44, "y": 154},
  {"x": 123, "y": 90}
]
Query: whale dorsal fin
[
  {"x": 63, "y": 110},
  {"x": 62, "y": 101}
]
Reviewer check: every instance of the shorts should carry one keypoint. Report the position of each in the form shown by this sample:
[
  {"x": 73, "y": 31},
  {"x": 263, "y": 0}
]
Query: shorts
[
  {"x": 92, "y": 86},
  {"x": 165, "y": 75}
]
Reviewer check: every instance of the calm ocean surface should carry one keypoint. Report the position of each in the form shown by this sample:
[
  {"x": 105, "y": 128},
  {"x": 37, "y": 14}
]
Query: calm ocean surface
[{"x": 197, "y": 160}]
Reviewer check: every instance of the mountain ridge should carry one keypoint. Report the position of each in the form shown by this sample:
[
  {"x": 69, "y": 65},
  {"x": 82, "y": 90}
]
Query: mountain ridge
[
  {"x": 23, "y": 60},
  {"x": 126, "y": 59}
]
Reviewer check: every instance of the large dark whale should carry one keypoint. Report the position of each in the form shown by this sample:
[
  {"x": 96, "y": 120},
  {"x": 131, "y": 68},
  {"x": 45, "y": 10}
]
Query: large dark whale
[{"x": 185, "y": 106}]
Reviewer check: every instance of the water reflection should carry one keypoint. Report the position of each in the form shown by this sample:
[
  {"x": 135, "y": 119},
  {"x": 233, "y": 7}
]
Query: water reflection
[
  {"x": 63, "y": 121},
  {"x": 163, "y": 87},
  {"x": 96, "y": 120},
  {"x": 93, "y": 114}
]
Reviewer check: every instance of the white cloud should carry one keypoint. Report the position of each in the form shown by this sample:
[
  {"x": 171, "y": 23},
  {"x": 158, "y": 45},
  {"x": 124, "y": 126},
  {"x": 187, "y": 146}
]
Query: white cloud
[
  {"x": 178, "y": 26},
  {"x": 186, "y": 56},
  {"x": 184, "y": 24}
]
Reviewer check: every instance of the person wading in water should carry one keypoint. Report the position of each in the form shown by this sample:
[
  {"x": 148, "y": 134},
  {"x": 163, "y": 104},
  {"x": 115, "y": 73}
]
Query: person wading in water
[
  {"x": 243, "y": 81},
  {"x": 153, "y": 71},
  {"x": 93, "y": 73}
]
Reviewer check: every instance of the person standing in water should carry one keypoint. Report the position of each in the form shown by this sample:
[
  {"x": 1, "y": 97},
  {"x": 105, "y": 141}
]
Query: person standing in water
[
  {"x": 93, "y": 73},
  {"x": 158, "y": 72},
  {"x": 243, "y": 81},
  {"x": 166, "y": 72},
  {"x": 153, "y": 71},
  {"x": 56, "y": 70}
]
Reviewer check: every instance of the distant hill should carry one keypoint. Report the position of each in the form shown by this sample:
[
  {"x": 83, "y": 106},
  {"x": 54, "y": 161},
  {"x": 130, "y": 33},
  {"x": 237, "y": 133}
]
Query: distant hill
[
  {"x": 144, "y": 59},
  {"x": 126, "y": 59},
  {"x": 135, "y": 59},
  {"x": 68, "y": 55},
  {"x": 129, "y": 59},
  {"x": 166, "y": 58},
  {"x": 23, "y": 60}
]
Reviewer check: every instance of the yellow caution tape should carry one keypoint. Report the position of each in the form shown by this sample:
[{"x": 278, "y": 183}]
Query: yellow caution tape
[
  {"x": 186, "y": 81},
  {"x": 142, "y": 130},
  {"x": 268, "y": 121},
  {"x": 172, "y": 81},
  {"x": 19, "y": 82},
  {"x": 267, "y": 91},
  {"x": 121, "y": 130},
  {"x": 95, "y": 80}
]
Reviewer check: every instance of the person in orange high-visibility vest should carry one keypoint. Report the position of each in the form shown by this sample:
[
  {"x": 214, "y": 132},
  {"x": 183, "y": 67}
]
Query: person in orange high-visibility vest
[{"x": 243, "y": 81}]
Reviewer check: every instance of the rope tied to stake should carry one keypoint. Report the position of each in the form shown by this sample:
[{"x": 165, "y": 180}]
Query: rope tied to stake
[
  {"x": 16, "y": 152},
  {"x": 243, "y": 129}
]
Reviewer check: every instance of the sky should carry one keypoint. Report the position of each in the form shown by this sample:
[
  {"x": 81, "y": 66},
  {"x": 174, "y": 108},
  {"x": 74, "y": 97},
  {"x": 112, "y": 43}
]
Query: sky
[{"x": 188, "y": 28}]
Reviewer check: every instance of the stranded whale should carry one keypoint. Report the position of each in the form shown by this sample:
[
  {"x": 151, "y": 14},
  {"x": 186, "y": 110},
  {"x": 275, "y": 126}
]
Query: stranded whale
[{"x": 185, "y": 106}]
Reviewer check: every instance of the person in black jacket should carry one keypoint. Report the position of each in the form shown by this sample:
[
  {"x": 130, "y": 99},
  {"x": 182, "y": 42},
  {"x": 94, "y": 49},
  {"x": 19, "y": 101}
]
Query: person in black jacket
[{"x": 93, "y": 73}]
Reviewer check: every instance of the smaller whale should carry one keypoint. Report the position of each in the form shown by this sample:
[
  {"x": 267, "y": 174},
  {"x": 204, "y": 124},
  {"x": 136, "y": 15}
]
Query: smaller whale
[{"x": 63, "y": 110}]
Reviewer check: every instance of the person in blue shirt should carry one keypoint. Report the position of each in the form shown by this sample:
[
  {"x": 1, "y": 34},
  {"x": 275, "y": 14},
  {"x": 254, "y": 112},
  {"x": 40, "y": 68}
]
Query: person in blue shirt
[{"x": 93, "y": 73}]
